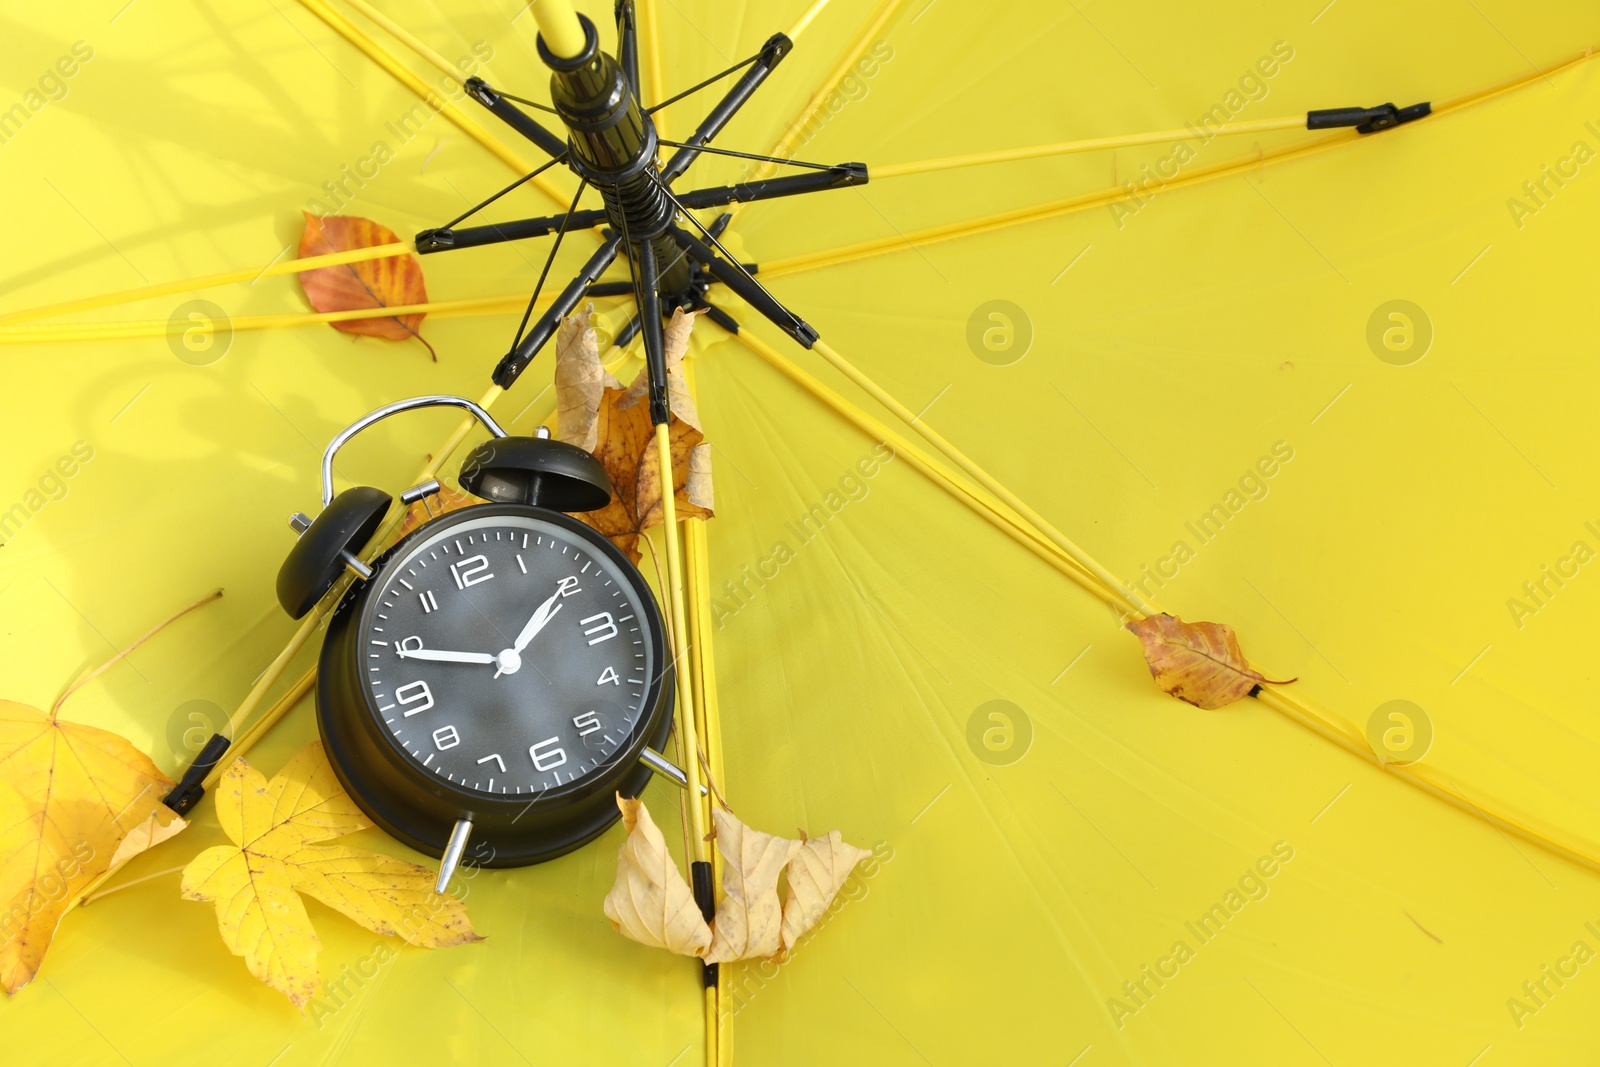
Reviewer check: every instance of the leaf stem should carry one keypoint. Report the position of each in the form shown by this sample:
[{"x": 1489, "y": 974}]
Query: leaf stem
[
  {"x": 123, "y": 654},
  {"x": 129, "y": 884}
]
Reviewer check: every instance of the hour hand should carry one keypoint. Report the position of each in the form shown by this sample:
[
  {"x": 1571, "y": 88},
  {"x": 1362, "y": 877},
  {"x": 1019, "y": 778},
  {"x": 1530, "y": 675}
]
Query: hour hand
[
  {"x": 441, "y": 656},
  {"x": 541, "y": 616}
]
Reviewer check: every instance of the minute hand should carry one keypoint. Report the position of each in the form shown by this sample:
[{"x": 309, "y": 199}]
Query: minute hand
[
  {"x": 445, "y": 657},
  {"x": 542, "y": 615}
]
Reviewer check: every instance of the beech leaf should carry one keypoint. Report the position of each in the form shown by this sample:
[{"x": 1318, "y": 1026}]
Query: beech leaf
[
  {"x": 393, "y": 281},
  {"x": 277, "y": 829},
  {"x": 652, "y": 904},
  {"x": 818, "y": 870},
  {"x": 581, "y": 380},
  {"x": 1199, "y": 662},
  {"x": 622, "y": 437},
  {"x": 76, "y": 801},
  {"x": 749, "y": 921}
]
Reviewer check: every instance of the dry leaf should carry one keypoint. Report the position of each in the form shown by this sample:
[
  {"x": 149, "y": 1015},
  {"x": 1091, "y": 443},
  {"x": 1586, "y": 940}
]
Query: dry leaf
[
  {"x": 277, "y": 828},
  {"x": 446, "y": 500},
  {"x": 76, "y": 801},
  {"x": 1200, "y": 662},
  {"x": 622, "y": 438},
  {"x": 650, "y": 902},
  {"x": 394, "y": 281},
  {"x": 581, "y": 380},
  {"x": 815, "y": 874},
  {"x": 749, "y": 921}
]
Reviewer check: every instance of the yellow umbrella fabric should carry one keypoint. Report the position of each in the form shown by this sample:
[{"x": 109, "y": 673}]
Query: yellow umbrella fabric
[{"x": 1089, "y": 872}]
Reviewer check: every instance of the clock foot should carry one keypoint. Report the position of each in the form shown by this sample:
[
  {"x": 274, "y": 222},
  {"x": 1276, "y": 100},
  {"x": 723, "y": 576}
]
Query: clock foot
[
  {"x": 666, "y": 768},
  {"x": 452, "y": 854}
]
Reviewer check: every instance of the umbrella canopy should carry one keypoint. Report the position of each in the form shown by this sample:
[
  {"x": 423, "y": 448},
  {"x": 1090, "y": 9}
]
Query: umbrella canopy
[{"x": 1330, "y": 389}]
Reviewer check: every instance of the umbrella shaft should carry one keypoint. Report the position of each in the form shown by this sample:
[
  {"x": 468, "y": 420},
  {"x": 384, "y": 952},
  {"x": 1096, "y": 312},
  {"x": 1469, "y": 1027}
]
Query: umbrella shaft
[{"x": 614, "y": 147}]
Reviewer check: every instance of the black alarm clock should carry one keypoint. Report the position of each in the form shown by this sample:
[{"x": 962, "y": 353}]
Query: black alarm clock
[{"x": 500, "y": 672}]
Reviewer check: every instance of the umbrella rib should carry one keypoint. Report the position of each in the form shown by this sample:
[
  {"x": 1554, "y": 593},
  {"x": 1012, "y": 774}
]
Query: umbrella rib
[
  {"x": 1280, "y": 700},
  {"x": 548, "y": 260},
  {"x": 381, "y": 56},
  {"x": 206, "y": 281},
  {"x": 840, "y": 70},
  {"x": 471, "y": 211},
  {"x": 708, "y": 82},
  {"x": 104, "y": 331},
  {"x": 1014, "y": 526},
  {"x": 805, "y": 261},
  {"x": 981, "y": 476},
  {"x": 749, "y": 155},
  {"x": 1091, "y": 144},
  {"x": 1085, "y": 201}
]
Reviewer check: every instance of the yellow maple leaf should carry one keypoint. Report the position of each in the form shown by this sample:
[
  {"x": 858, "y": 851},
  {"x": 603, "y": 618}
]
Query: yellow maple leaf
[
  {"x": 76, "y": 801},
  {"x": 1200, "y": 663},
  {"x": 277, "y": 828}
]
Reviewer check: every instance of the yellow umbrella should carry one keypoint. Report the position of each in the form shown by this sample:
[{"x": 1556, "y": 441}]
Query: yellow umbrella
[{"x": 1326, "y": 387}]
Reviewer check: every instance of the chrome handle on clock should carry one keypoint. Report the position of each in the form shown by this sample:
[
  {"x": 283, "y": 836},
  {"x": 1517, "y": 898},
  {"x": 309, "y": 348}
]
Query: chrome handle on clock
[{"x": 384, "y": 412}]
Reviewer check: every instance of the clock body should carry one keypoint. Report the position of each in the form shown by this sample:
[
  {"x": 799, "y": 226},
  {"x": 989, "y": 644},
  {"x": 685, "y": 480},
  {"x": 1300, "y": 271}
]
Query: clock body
[{"x": 530, "y": 747}]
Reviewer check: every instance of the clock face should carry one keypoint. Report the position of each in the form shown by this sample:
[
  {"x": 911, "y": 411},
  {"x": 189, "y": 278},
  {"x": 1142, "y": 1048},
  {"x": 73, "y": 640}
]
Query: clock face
[{"x": 507, "y": 654}]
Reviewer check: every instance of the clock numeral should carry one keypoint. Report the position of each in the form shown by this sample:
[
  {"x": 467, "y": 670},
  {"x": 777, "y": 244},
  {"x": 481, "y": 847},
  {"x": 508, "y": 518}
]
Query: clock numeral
[
  {"x": 568, "y": 585},
  {"x": 470, "y": 571},
  {"x": 550, "y": 757},
  {"x": 408, "y": 644},
  {"x": 604, "y": 625},
  {"x": 609, "y": 675},
  {"x": 496, "y": 757},
  {"x": 414, "y": 693},
  {"x": 429, "y": 603},
  {"x": 587, "y": 723},
  {"x": 446, "y": 737}
]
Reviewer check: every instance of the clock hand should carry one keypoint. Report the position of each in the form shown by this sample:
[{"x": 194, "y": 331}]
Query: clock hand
[
  {"x": 543, "y": 614},
  {"x": 445, "y": 657},
  {"x": 509, "y": 661}
]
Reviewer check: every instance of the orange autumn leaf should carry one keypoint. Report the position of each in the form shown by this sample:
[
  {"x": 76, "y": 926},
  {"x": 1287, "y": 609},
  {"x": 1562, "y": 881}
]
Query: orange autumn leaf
[
  {"x": 615, "y": 425},
  {"x": 1197, "y": 662},
  {"x": 394, "y": 281}
]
